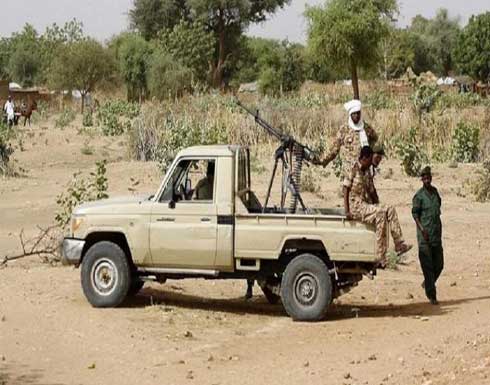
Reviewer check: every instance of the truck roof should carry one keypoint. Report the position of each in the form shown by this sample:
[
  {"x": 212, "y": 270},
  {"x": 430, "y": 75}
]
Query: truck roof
[{"x": 212, "y": 150}]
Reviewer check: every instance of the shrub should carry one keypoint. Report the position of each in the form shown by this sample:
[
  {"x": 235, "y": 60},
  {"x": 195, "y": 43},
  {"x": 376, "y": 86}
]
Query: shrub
[
  {"x": 115, "y": 116},
  {"x": 466, "y": 139},
  {"x": 87, "y": 120},
  {"x": 65, "y": 118},
  {"x": 6, "y": 150},
  {"x": 413, "y": 157},
  {"x": 425, "y": 97},
  {"x": 379, "y": 99},
  {"x": 480, "y": 187},
  {"x": 80, "y": 191}
]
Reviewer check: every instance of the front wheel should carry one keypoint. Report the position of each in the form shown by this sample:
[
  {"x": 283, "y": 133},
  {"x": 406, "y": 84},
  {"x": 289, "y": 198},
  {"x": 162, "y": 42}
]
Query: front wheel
[
  {"x": 306, "y": 288},
  {"x": 105, "y": 275}
]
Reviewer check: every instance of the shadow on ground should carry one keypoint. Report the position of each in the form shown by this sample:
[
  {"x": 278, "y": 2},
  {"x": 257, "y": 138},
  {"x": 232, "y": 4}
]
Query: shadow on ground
[
  {"x": 258, "y": 305},
  {"x": 20, "y": 374}
]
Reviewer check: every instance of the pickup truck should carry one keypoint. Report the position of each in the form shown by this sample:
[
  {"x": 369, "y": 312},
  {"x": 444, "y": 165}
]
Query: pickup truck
[{"x": 205, "y": 221}]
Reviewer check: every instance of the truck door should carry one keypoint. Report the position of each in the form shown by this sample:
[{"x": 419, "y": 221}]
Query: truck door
[{"x": 184, "y": 222}]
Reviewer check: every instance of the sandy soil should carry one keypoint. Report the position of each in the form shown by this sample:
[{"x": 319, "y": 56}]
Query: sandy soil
[{"x": 204, "y": 332}]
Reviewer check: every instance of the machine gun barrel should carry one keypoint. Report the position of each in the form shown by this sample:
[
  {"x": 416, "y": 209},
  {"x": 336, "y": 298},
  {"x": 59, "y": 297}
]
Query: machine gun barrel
[{"x": 285, "y": 139}]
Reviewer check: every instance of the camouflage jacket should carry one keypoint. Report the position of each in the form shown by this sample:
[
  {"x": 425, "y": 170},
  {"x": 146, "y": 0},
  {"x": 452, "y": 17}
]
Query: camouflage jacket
[
  {"x": 348, "y": 145},
  {"x": 359, "y": 182}
]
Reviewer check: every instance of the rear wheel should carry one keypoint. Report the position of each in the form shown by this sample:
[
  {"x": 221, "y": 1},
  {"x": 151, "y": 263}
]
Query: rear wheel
[
  {"x": 105, "y": 275},
  {"x": 306, "y": 288}
]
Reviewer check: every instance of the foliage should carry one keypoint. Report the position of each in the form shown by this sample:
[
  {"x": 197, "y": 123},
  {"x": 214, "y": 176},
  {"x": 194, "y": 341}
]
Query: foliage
[
  {"x": 65, "y": 118},
  {"x": 6, "y": 149},
  {"x": 115, "y": 116},
  {"x": 158, "y": 135},
  {"x": 480, "y": 187},
  {"x": 87, "y": 120},
  {"x": 225, "y": 19},
  {"x": 133, "y": 54},
  {"x": 192, "y": 45},
  {"x": 461, "y": 100},
  {"x": 81, "y": 66},
  {"x": 472, "y": 52},
  {"x": 413, "y": 157},
  {"x": 24, "y": 63},
  {"x": 466, "y": 139},
  {"x": 349, "y": 32},
  {"x": 393, "y": 260},
  {"x": 81, "y": 190},
  {"x": 379, "y": 99},
  {"x": 424, "y": 98},
  {"x": 167, "y": 78}
]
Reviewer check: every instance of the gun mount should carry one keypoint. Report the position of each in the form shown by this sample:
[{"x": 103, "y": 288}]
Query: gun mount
[{"x": 290, "y": 154}]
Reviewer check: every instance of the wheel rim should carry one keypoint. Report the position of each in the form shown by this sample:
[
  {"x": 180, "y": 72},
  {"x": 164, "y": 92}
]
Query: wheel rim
[
  {"x": 104, "y": 277},
  {"x": 305, "y": 289}
]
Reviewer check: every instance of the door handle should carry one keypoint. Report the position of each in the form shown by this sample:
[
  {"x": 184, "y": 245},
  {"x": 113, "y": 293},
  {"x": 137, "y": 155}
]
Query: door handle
[
  {"x": 205, "y": 219},
  {"x": 165, "y": 219}
]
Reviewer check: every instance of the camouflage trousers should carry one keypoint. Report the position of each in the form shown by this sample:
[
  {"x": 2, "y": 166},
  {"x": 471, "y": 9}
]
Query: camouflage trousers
[{"x": 380, "y": 216}]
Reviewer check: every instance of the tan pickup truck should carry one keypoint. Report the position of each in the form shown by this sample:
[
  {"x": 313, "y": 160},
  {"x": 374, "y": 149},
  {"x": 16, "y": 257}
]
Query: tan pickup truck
[{"x": 206, "y": 222}]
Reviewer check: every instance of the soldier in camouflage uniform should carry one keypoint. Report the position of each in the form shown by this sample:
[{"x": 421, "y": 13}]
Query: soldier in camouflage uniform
[
  {"x": 350, "y": 138},
  {"x": 358, "y": 207}
]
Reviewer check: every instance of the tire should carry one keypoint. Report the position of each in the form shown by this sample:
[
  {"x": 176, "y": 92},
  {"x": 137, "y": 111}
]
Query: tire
[
  {"x": 135, "y": 287},
  {"x": 105, "y": 275},
  {"x": 306, "y": 288}
]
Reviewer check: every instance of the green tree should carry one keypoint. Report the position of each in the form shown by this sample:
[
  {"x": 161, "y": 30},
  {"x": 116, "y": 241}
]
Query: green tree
[
  {"x": 192, "y": 44},
  {"x": 226, "y": 19},
  {"x": 133, "y": 55},
  {"x": 167, "y": 77},
  {"x": 149, "y": 17},
  {"x": 349, "y": 32},
  {"x": 398, "y": 53},
  {"x": 81, "y": 66},
  {"x": 24, "y": 65},
  {"x": 472, "y": 52}
]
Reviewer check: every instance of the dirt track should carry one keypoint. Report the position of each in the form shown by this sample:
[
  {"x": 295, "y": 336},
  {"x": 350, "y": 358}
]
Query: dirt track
[{"x": 204, "y": 332}]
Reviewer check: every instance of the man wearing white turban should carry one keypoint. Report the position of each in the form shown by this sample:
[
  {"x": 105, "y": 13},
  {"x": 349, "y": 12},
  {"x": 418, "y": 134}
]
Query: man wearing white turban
[{"x": 350, "y": 138}]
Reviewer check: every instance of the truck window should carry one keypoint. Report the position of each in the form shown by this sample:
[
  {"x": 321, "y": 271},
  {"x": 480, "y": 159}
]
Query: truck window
[{"x": 192, "y": 180}]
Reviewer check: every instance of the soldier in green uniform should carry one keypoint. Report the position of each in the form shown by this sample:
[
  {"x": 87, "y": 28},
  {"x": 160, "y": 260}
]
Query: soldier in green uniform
[{"x": 426, "y": 211}]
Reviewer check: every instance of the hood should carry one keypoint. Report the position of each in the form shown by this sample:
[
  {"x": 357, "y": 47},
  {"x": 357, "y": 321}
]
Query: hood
[{"x": 112, "y": 204}]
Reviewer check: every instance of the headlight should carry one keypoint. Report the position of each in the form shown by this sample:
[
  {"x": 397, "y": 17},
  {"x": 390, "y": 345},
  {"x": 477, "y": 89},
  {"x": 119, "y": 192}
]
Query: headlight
[{"x": 76, "y": 222}]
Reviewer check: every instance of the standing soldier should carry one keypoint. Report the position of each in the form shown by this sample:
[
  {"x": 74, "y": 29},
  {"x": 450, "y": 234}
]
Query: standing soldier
[
  {"x": 358, "y": 206},
  {"x": 426, "y": 211},
  {"x": 350, "y": 139}
]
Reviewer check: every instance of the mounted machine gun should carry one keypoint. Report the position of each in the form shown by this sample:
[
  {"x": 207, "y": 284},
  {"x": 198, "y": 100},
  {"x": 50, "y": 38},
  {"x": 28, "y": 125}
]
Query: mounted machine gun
[{"x": 291, "y": 154}]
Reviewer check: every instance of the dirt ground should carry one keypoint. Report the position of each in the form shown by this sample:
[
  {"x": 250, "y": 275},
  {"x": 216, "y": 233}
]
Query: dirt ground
[{"x": 204, "y": 332}]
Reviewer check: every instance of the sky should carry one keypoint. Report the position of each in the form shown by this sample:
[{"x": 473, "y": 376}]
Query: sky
[{"x": 104, "y": 18}]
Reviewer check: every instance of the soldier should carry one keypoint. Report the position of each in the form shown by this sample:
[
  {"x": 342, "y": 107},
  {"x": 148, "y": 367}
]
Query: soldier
[
  {"x": 358, "y": 206},
  {"x": 426, "y": 211},
  {"x": 378, "y": 154},
  {"x": 350, "y": 139}
]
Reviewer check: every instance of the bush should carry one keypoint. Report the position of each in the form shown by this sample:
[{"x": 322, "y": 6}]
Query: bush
[
  {"x": 115, "y": 116},
  {"x": 459, "y": 100},
  {"x": 466, "y": 140},
  {"x": 65, "y": 118},
  {"x": 6, "y": 150},
  {"x": 480, "y": 187},
  {"x": 379, "y": 100},
  {"x": 167, "y": 78},
  {"x": 413, "y": 157},
  {"x": 87, "y": 120},
  {"x": 81, "y": 190},
  {"x": 158, "y": 135},
  {"x": 425, "y": 97}
]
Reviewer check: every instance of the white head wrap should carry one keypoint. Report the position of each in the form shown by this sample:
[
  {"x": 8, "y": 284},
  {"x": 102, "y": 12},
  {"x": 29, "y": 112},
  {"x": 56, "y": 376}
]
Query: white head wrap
[{"x": 355, "y": 106}]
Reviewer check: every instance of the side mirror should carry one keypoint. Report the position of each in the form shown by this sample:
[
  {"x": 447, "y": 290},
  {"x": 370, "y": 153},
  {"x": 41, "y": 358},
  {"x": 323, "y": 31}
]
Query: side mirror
[{"x": 171, "y": 204}]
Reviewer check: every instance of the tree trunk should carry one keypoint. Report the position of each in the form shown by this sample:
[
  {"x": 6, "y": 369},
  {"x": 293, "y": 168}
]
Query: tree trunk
[
  {"x": 83, "y": 101},
  {"x": 218, "y": 70},
  {"x": 355, "y": 79}
]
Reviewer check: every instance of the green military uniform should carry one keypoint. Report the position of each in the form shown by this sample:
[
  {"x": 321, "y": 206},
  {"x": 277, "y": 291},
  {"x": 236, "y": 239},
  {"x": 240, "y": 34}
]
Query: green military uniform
[{"x": 427, "y": 209}]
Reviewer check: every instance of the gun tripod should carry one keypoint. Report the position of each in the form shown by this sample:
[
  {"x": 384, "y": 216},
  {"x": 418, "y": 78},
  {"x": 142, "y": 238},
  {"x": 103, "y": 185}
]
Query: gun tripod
[{"x": 291, "y": 158}]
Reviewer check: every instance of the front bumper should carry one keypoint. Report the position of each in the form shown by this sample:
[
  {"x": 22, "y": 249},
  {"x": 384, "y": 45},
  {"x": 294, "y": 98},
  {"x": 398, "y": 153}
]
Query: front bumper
[{"x": 72, "y": 251}]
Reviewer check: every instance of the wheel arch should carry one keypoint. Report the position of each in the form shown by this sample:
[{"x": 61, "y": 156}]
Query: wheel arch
[
  {"x": 116, "y": 237},
  {"x": 296, "y": 245}
]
